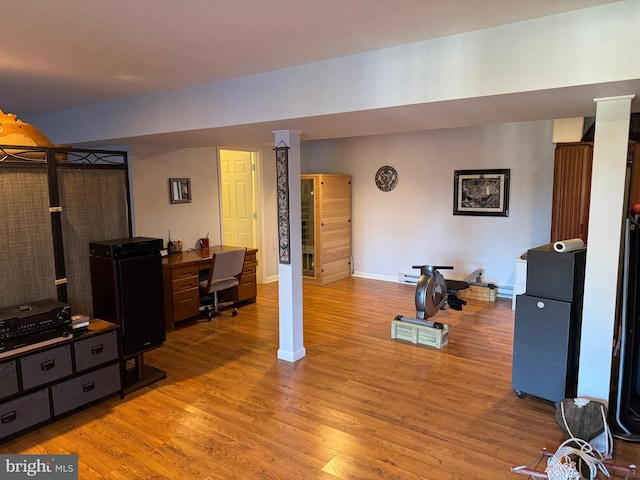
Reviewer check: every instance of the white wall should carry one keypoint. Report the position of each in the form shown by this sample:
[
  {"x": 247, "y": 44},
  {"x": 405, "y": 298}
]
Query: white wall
[
  {"x": 414, "y": 224},
  {"x": 154, "y": 215}
]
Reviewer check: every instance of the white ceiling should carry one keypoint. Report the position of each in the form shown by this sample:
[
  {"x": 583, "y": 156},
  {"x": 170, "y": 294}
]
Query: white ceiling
[{"x": 64, "y": 54}]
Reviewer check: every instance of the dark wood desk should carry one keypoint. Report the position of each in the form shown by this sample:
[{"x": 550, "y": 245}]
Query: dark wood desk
[{"x": 180, "y": 274}]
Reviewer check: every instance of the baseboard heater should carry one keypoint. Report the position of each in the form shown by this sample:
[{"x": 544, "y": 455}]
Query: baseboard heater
[{"x": 408, "y": 278}]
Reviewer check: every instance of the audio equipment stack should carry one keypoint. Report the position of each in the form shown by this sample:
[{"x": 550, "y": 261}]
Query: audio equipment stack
[{"x": 32, "y": 325}]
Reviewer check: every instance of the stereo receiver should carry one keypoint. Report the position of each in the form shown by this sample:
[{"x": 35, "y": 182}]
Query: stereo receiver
[{"x": 32, "y": 323}]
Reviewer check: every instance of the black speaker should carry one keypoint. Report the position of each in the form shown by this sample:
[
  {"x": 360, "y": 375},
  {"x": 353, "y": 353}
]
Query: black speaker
[{"x": 128, "y": 291}]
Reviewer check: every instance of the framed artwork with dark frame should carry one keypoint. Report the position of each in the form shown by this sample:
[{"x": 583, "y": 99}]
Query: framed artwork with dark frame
[
  {"x": 180, "y": 190},
  {"x": 481, "y": 192},
  {"x": 284, "y": 221}
]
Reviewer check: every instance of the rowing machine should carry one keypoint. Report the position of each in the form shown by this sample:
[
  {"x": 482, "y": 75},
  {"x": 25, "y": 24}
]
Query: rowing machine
[{"x": 434, "y": 293}]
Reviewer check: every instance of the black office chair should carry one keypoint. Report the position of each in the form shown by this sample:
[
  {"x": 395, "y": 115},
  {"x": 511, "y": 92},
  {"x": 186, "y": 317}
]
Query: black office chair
[{"x": 224, "y": 273}]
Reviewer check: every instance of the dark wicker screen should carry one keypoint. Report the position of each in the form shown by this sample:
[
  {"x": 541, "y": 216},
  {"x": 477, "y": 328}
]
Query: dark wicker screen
[
  {"x": 26, "y": 248},
  {"x": 94, "y": 207}
]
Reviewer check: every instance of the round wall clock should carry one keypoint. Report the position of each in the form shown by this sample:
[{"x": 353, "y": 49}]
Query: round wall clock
[{"x": 386, "y": 178}]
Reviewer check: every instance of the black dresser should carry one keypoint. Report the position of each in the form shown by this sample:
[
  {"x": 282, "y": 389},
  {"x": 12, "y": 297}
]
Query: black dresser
[{"x": 44, "y": 382}]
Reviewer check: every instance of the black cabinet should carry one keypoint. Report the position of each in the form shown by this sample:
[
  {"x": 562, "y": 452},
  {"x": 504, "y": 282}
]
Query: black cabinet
[
  {"x": 548, "y": 319},
  {"x": 38, "y": 385},
  {"x": 545, "y": 347}
]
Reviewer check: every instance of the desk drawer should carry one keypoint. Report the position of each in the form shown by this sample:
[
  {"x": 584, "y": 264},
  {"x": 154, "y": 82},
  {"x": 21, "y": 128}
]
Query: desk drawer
[
  {"x": 180, "y": 273},
  {"x": 185, "y": 283},
  {"x": 250, "y": 264},
  {"x": 96, "y": 350},
  {"x": 250, "y": 258},
  {"x": 24, "y": 412},
  {"x": 248, "y": 288},
  {"x": 44, "y": 367},
  {"x": 186, "y": 304},
  {"x": 249, "y": 269}
]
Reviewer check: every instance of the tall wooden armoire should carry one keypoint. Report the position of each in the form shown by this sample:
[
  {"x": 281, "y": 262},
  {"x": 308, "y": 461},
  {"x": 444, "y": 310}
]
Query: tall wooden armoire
[
  {"x": 571, "y": 191},
  {"x": 326, "y": 228},
  {"x": 572, "y": 188},
  {"x": 634, "y": 160}
]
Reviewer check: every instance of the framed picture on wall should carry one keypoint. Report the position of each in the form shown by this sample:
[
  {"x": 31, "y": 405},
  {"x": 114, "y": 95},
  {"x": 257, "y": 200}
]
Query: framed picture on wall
[
  {"x": 180, "y": 190},
  {"x": 481, "y": 192}
]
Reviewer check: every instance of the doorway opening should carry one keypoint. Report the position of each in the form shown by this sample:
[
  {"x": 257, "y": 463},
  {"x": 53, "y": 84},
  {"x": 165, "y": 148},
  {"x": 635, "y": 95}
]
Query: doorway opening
[{"x": 238, "y": 206}]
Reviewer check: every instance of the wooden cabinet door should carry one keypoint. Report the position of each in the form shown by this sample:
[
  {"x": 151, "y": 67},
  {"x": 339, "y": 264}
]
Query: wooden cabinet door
[
  {"x": 327, "y": 257},
  {"x": 335, "y": 228},
  {"x": 571, "y": 191}
]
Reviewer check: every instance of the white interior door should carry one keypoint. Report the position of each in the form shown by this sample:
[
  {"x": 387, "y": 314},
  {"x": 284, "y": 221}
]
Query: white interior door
[{"x": 237, "y": 186}]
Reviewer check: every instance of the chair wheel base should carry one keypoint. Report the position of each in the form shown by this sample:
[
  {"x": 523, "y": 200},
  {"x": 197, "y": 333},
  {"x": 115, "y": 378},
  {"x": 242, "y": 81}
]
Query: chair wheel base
[{"x": 220, "y": 313}]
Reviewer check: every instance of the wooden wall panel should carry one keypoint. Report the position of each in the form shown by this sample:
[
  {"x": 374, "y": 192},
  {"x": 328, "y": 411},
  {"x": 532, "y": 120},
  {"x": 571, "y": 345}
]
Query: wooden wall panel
[
  {"x": 571, "y": 191},
  {"x": 634, "y": 157}
]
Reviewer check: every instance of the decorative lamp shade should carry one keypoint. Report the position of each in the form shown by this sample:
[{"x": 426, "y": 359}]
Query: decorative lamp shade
[{"x": 16, "y": 132}]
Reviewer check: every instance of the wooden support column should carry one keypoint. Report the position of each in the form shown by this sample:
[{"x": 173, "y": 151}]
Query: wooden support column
[
  {"x": 604, "y": 245},
  {"x": 290, "y": 275}
]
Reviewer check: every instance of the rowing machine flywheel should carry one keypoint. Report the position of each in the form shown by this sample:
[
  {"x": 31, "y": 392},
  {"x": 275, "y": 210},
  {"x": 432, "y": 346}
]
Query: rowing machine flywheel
[{"x": 431, "y": 292}]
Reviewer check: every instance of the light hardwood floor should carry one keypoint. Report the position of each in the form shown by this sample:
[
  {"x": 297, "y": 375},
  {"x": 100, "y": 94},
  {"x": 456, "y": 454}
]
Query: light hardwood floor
[{"x": 359, "y": 405}]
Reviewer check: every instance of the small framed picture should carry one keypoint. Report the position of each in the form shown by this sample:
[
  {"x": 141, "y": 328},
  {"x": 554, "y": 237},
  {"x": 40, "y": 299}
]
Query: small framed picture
[
  {"x": 481, "y": 192},
  {"x": 180, "y": 190}
]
